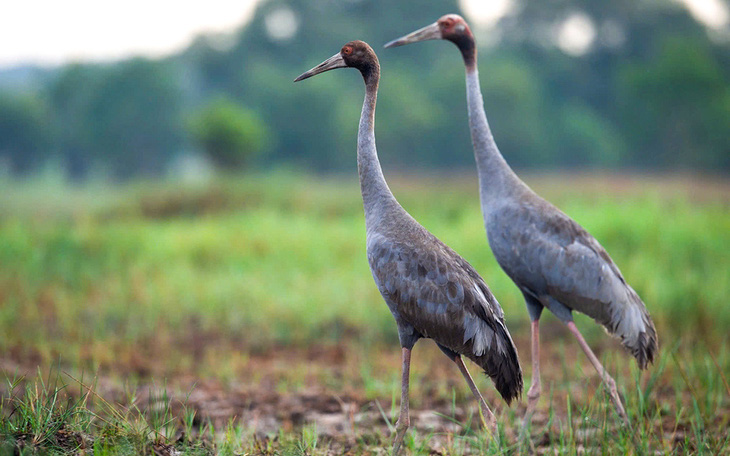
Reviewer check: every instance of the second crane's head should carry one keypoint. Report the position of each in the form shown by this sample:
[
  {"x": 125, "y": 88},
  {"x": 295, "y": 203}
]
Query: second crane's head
[
  {"x": 451, "y": 27},
  {"x": 355, "y": 54}
]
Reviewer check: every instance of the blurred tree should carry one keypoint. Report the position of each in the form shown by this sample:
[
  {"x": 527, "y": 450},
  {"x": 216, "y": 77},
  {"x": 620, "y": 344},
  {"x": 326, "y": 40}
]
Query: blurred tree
[
  {"x": 586, "y": 139},
  {"x": 648, "y": 87},
  {"x": 69, "y": 96},
  {"x": 649, "y": 90},
  {"x": 135, "y": 117},
  {"x": 228, "y": 133},
  {"x": 677, "y": 105},
  {"x": 24, "y": 132},
  {"x": 315, "y": 122},
  {"x": 127, "y": 116}
]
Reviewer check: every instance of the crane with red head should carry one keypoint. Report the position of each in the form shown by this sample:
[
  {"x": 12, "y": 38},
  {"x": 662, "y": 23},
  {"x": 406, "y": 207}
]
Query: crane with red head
[
  {"x": 553, "y": 260},
  {"x": 431, "y": 291}
]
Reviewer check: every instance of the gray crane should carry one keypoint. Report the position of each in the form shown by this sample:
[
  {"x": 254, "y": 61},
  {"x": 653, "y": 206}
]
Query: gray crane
[
  {"x": 431, "y": 291},
  {"x": 556, "y": 263}
]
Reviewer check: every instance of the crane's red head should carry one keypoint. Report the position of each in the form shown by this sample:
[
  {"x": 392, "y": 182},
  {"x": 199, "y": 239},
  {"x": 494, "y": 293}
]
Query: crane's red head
[
  {"x": 450, "y": 27},
  {"x": 355, "y": 54}
]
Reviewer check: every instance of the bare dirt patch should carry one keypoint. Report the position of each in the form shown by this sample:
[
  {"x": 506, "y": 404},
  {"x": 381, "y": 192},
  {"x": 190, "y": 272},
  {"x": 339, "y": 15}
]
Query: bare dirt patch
[{"x": 349, "y": 393}]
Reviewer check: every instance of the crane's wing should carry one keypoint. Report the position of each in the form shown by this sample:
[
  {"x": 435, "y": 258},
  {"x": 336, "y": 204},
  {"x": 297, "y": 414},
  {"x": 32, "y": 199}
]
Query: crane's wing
[
  {"x": 433, "y": 289},
  {"x": 550, "y": 256}
]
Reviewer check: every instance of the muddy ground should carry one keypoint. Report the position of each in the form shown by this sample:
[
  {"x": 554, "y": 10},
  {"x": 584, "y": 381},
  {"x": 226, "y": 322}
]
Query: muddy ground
[{"x": 347, "y": 392}]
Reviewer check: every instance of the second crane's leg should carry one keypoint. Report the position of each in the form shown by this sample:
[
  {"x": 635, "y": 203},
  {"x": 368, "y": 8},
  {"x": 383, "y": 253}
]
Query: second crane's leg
[
  {"x": 607, "y": 379},
  {"x": 491, "y": 421},
  {"x": 533, "y": 394},
  {"x": 404, "y": 419}
]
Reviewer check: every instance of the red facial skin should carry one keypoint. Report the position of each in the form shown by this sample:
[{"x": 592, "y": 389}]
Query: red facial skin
[
  {"x": 455, "y": 29},
  {"x": 358, "y": 54}
]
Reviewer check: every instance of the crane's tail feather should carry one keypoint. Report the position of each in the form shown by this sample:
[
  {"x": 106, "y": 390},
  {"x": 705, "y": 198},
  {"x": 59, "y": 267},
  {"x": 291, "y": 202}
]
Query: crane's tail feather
[
  {"x": 634, "y": 326},
  {"x": 501, "y": 363},
  {"x": 645, "y": 344},
  {"x": 645, "y": 348}
]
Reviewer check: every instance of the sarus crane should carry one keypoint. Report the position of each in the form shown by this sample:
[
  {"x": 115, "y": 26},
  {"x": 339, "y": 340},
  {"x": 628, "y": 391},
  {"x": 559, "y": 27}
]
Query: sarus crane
[
  {"x": 431, "y": 291},
  {"x": 554, "y": 262}
]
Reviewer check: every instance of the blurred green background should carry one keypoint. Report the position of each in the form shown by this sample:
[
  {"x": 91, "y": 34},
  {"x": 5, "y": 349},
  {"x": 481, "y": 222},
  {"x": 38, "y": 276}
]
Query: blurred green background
[
  {"x": 158, "y": 277},
  {"x": 197, "y": 217},
  {"x": 147, "y": 199},
  {"x": 567, "y": 84}
]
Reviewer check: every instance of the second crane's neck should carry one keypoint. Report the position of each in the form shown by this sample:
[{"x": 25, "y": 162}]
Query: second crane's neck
[
  {"x": 496, "y": 178},
  {"x": 376, "y": 196}
]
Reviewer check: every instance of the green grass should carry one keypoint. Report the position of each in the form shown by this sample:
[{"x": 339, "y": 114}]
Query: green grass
[{"x": 158, "y": 280}]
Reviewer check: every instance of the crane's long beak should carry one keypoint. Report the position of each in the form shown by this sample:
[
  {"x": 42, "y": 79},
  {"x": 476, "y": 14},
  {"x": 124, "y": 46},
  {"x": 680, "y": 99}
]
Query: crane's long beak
[
  {"x": 429, "y": 32},
  {"x": 336, "y": 61}
]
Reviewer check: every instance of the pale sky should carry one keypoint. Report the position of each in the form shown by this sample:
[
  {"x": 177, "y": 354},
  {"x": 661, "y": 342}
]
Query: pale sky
[{"x": 52, "y": 31}]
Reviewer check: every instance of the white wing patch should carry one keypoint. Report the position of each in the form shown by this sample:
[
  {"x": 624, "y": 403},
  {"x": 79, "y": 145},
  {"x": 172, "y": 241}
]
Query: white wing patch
[
  {"x": 629, "y": 321},
  {"x": 477, "y": 330}
]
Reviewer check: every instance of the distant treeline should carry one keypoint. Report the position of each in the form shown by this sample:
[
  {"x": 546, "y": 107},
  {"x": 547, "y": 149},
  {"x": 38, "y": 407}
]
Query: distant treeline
[{"x": 651, "y": 90}]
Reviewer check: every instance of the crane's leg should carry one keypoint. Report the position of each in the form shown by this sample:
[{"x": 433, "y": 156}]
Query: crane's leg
[
  {"x": 607, "y": 379},
  {"x": 533, "y": 394},
  {"x": 488, "y": 419},
  {"x": 404, "y": 419}
]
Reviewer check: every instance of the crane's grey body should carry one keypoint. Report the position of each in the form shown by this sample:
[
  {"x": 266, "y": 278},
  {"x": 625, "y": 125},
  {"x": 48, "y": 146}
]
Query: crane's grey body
[
  {"x": 556, "y": 263},
  {"x": 431, "y": 291}
]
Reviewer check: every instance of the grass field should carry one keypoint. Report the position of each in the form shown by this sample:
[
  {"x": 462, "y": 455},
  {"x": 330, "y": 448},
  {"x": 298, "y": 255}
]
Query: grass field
[{"x": 240, "y": 317}]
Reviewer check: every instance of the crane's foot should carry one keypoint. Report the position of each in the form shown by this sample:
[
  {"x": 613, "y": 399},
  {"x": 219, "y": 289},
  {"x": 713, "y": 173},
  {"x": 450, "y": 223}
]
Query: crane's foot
[
  {"x": 533, "y": 396},
  {"x": 489, "y": 421},
  {"x": 605, "y": 376},
  {"x": 616, "y": 399},
  {"x": 400, "y": 432},
  {"x": 404, "y": 419}
]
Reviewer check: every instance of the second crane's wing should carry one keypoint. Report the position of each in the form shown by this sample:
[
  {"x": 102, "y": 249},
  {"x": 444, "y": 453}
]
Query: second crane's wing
[
  {"x": 552, "y": 258},
  {"x": 545, "y": 252},
  {"x": 438, "y": 293}
]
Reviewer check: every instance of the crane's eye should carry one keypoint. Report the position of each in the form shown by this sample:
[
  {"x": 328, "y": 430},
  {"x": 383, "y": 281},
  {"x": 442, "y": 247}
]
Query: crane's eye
[
  {"x": 448, "y": 22},
  {"x": 347, "y": 50}
]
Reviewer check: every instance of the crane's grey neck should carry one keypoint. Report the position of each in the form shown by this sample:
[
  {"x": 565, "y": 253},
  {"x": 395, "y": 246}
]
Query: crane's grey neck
[
  {"x": 496, "y": 178},
  {"x": 376, "y": 196}
]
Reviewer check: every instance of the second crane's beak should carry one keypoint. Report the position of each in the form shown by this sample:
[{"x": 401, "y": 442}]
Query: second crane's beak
[
  {"x": 429, "y": 32},
  {"x": 336, "y": 61}
]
